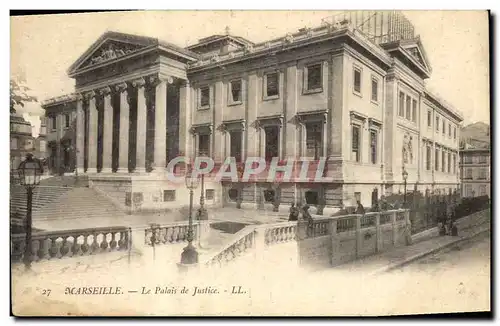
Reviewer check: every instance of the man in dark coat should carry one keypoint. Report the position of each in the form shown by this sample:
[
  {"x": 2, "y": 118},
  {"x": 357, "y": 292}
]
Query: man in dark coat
[{"x": 294, "y": 213}]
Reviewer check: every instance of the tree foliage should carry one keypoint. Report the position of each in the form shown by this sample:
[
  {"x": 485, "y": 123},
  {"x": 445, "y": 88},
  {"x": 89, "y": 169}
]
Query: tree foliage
[{"x": 19, "y": 95}]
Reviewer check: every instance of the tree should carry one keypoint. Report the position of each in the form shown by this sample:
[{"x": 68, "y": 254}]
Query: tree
[{"x": 18, "y": 95}]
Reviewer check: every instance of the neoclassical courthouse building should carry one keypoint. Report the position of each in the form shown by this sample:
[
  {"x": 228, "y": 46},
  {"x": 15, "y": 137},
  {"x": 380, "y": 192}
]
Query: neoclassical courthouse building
[{"x": 351, "y": 90}]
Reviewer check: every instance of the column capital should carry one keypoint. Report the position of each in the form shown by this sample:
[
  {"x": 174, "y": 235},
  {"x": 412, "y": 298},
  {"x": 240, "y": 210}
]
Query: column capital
[
  {"x": 140, "y": 82},
  {"x": 122, "y": 87},
  {"x": 89, "y": 95},
  {"x": 80, "y": 96},
  {"x": 105, "y": 91}
]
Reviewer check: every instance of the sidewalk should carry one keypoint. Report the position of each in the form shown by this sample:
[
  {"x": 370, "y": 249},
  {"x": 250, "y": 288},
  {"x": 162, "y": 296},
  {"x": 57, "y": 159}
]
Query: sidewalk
[{"x": 400, "y": 256}]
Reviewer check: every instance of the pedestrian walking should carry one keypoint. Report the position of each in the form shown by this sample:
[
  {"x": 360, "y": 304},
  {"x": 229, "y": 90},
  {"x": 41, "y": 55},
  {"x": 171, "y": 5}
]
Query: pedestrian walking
[{"x": 294, "y": 213}]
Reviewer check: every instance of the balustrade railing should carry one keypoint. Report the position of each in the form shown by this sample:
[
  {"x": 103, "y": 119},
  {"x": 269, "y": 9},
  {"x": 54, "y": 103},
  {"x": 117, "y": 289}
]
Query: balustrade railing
[
  {"x": 368, "y": 220},
  {"x": 385, "y": 218},
  {"x": 169, "y": 234},
  {"x": 400, "y": 215},
  {"x": 347, "y": 223},
  {"x": 69, "y": 243},
  {"x": 281, "y": 232},
  {"x": 241, "y": 242}
]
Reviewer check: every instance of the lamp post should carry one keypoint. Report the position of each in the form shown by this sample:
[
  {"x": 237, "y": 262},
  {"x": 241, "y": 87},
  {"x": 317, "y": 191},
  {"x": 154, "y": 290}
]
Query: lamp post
[
  {"x": 202, "y": 211},
  {"x": 405, "y": 177},
  {"x": 189, "y": 254},
  {"x": 29, "y": 176}
]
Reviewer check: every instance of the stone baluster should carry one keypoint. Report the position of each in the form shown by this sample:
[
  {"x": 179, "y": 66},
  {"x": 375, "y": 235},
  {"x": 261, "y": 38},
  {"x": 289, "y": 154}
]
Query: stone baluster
[
  {"x": 140, "y": 165},
  {"x": 124, "y": 128},
  {"x": 107, "y": 137}
]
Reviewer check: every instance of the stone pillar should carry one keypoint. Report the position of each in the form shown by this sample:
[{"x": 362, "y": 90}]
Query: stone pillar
[
  {"x": 185, "y": 136},
  {"x": 92, "y": 143},
  {"x": 80, "y": 134},
  {"x": 140, "y": 165},
  {"x": 107, "y": 138},
  {"x": 160, "y": 139},
  {"x": 290, "y": 124},
  {"x": 252, "y": 137},
  {"x": 124, "y": 129},
  {"x": 217, "y": 139}
]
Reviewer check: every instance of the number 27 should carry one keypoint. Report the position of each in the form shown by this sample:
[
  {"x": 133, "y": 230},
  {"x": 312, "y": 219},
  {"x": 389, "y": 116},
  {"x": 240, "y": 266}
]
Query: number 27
[{"x": 46, "y": 292}]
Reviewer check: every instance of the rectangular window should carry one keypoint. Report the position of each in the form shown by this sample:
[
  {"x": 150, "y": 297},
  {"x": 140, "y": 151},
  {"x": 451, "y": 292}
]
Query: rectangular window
[
  {"x": 272, "y": 142},
  {"x": 468, "y": 173},
  {"x": 168, "y": 195},
  {"x": 482, "y": 174},
  {"x": 428, "y": 158},
  {"x": 314, "y": 140},
  {"x": 436, "y": 160},
  {"x": 468, "y": 159},
  {"x": 272, "y": 84},
  {"x": 444, "y": 127},
  {"x": 429, "y": 119},
  {"x": 437, "y": 124},
  {"x": 235, "y": 91},
  {"x": 66, "y": 121},
  {"x": 468, "y": 191},
  {"x": 236, "y": 144},
  {"x": 454, "y": 163},
  {"x": 204, "y": 145},
  {"x": 374, "y": 90},
  {"x": 408, "y": 107},
  {"x": 482, "y": 159},
  {"x": 14, "y": 143},
  {"x": 455, "y": 133},
  {"x": 357, "y": 80},
  {"x": 414, "y": 110},
  {"x": 443, "y": 161},
  {"x": 449, "y": 162},
  {"x": 401, "y": 108},
  {"x": 373, "y": 146},
  {"x": 209, "y": 194},
  {"x": 482, "y": 190},
  {"x": 314, "y": 77},
  {"x": 204, "y": 96},
  {"x": 449, "y": 130},
  {"x": 53, "y": 123},
  {"x": 355, "y": 143}
]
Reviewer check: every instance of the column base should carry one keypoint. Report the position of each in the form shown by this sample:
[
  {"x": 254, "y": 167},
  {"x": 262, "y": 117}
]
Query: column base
[
  {"x": 122, "y": 170},
  {"x": 140, "y": 170},
  {"x": 106, "y": 170},
  {"x": 91, "y": 170}
]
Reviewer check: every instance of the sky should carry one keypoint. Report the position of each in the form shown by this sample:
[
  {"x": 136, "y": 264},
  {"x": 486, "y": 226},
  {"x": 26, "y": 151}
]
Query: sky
[{"x": 43, "y": 47}]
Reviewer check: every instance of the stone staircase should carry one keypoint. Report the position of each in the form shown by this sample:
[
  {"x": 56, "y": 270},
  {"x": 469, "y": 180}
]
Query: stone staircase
[{"x": 61, "y": 197}]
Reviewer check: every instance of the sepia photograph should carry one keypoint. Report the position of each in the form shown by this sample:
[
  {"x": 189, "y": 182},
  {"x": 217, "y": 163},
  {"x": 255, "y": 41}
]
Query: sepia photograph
[{"x": 250, "y": 163}]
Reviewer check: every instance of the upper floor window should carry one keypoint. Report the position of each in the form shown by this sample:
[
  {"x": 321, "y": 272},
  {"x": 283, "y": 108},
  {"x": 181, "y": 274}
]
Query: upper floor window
[
  {"x": 356, "y": 133},
  {"x": 468, "y": 173},
  {"x": 408, "y": 107},
  {"x": 357, "y": 80},
  {"x": 314, "y": 139},
  {"x": 53, "y": 123},
  {"x": 236, "y": 138},
  {"x": 272, "y": 84},
  {"x": 428, "y": 158},
  {"x": 482, "y": 190},
  {"x": 205, "y": 96},
  {"x": 437, "y": 124},
  {"x": 436, "y": 160},
  {"x": 373, "y": 146},
  {"x": 449, "y": 162},
  {"x": 444, "y": 127},
  {"x": 66, "y": 120},
  {"x": 449, "y": 130},
  {"x": 235, "y": 91},
  {"x": 482, "y": 159},
  {"x": 374, "y": 89},
  {"x": 414, "y": 110},
  {"x": 454, "y": 132},
  {"x": 429, "y": 119},
  {"x": 467, "y": 159},
  {"x": 314, "y": 77},
  {"x": 401, "y": 107},
  {"x": 14, "y": 143},
  {"x": 204, "y": 145},
  {"x": 443, "y": 161},
  {"x": 482, "y": 174}
]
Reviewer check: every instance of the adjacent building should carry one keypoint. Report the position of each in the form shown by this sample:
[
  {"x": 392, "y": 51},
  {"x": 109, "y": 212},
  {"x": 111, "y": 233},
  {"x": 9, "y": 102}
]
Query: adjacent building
[
  {"x": 351, "y": 90},
  {"x": 475, "y": 169},
  {"x": 60, "y": 114},
  {"x": 22, "y": 141}
]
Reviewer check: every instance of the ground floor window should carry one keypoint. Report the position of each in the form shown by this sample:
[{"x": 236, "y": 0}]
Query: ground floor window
[
  {"x": 169, "y": 195},
  {"x": 269, "y": 195},
  {"x": 209, "y": 194},
  {"x": 312, "y": 197},
  {"x": 233, "y": 194}
]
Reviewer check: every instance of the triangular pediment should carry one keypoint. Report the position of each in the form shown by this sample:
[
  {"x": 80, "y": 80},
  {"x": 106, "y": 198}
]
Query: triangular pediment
[
  {"x": 417, "y": 52},
  {"x": 111, "y": 46}
]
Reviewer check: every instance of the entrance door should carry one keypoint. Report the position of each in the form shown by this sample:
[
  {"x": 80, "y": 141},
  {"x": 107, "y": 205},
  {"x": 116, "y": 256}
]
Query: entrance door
[
  {"x": 272, "y": 142},
  {"x": 374, "y": 197}
]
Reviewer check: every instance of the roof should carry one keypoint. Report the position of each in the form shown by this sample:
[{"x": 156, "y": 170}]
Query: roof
[
  {"x": 218, "y": 38},
  {"x": 445, "y": 105}
]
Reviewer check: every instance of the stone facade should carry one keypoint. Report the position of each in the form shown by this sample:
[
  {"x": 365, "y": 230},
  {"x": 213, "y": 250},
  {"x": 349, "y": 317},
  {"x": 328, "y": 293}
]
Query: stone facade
[
  {"x": 327, "y": 92},
  {"x": 475, "y": 172}
]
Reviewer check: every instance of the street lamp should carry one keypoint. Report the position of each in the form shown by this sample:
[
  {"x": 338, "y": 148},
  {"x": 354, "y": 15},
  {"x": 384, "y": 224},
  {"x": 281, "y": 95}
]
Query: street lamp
[
  {"x": 29, "y": 171},
  {"x": 202, "y": 211},
  {"x": 190, "y": 255},
  {"x": 405, "y": 177}
]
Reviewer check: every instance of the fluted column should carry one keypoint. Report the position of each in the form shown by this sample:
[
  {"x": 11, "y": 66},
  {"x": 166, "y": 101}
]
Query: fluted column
[
  {"x": 140, "y": 165},
  {"x": 92, "y": 144},
  {"x": 80, "y": 134},
  {"x": 107, "y": 137},
  {"x": 186, "y": 138},
  {"x": 124, "y": 129},
  {"x": 160, "y": 138}
]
